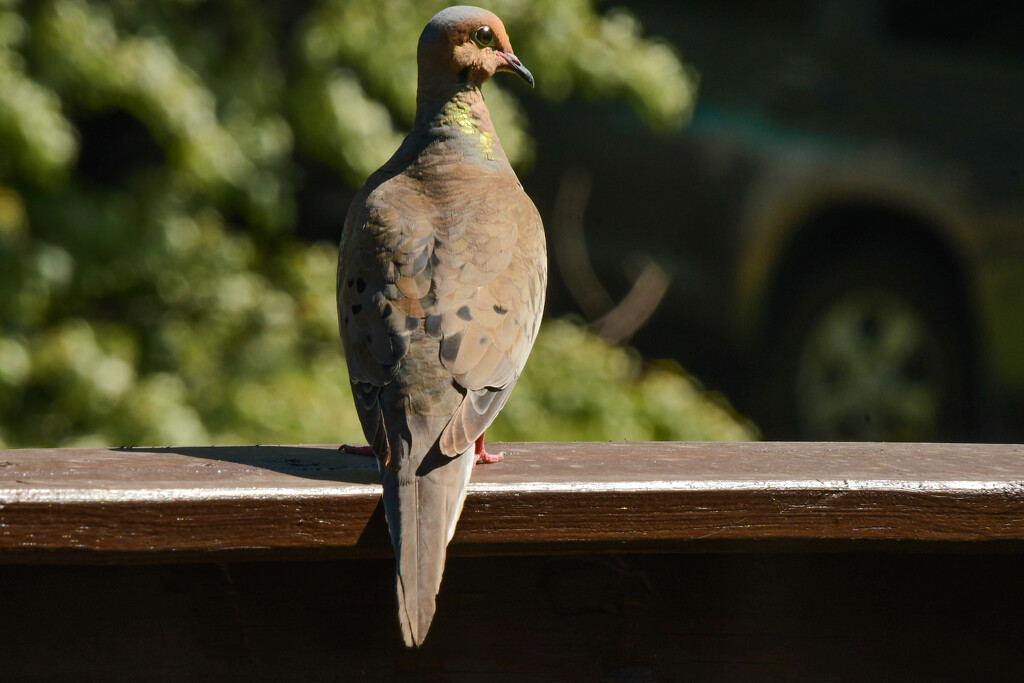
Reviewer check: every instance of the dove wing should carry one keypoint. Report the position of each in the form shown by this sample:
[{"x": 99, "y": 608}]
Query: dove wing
[
  {"x": 497, "y": 272},
  {"x": 467, "y": 282},
  {"x": 383, "y": 272}
]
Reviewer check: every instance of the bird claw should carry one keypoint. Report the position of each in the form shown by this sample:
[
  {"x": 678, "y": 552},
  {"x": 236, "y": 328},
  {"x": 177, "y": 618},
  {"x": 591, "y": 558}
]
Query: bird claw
[
  {"x": 489, "y": 458},
  {"x": 481, "y": 454}
]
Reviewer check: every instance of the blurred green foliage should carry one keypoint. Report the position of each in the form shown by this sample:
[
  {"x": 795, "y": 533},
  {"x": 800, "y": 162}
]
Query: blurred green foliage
[{"x": 161, "y": 297}]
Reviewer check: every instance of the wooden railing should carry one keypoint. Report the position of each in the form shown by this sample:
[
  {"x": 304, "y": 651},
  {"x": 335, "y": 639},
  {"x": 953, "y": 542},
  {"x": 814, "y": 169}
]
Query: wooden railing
[
  {"x": 572, "y": 561},
  {"x": 156, "y": 504}
]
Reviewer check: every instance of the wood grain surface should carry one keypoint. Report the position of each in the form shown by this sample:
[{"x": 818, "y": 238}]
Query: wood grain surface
[{"x": 195, "y": 503}]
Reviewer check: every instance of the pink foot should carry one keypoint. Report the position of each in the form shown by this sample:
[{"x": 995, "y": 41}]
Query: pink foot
[
  {"x": 483, "y": 456},
  {"x": 356, "y": 450}
]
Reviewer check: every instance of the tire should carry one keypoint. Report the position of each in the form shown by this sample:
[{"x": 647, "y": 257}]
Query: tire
[{"x": 871, "y": 345}]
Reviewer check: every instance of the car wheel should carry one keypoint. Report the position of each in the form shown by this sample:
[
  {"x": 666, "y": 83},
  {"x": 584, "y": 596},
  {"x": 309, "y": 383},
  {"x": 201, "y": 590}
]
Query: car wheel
[{"x": 870, "y": 347}]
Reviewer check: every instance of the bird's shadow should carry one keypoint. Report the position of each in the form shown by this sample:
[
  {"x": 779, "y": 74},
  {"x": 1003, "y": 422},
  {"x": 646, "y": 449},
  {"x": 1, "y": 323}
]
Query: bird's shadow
[{"x": 320, "y": 463}]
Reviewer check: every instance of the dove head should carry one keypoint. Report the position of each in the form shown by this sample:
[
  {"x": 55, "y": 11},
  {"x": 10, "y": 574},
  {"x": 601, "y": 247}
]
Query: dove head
[{"x": 465, "y": 45}]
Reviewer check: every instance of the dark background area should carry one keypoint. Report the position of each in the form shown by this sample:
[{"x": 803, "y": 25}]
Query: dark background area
[
  {"x": 842, "y": 223},
  {"x": 704, "y": 617}
]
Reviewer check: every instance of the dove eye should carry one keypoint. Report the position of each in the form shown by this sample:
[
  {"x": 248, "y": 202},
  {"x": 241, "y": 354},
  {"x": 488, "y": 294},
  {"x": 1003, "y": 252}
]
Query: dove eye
[{"x": 484, "y": 36}]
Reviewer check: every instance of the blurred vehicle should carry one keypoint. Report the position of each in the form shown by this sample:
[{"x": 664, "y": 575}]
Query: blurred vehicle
[{"x": 842, "y": 224}]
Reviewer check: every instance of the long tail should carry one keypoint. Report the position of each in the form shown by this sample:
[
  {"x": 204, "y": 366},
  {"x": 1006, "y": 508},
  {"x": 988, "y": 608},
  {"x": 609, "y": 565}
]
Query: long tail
[{"x": 423, "y": 501}]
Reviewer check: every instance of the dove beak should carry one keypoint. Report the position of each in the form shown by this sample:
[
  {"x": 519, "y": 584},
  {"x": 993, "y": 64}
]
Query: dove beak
[{"x": 517, "y": 67}]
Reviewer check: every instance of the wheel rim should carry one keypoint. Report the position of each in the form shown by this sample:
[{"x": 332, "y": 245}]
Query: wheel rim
[{"x": 870, "y": 369}]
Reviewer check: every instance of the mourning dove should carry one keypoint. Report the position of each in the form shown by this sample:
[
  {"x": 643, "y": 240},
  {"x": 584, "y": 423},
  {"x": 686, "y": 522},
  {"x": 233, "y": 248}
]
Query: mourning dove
[{"x": 441, "y": 281}]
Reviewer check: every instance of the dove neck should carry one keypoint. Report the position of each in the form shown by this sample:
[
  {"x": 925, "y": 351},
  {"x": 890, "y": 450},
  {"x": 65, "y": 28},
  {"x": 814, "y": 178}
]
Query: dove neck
[{"x": 461, "y": 119}]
